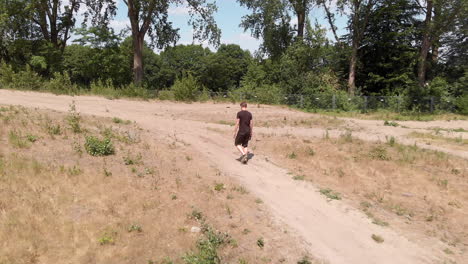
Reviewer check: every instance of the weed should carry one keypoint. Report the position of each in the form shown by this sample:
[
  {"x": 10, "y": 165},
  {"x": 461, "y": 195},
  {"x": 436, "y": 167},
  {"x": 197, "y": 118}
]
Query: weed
[
  {"x": 98, "y": 147},
  {"x": 366, "y": 204},
  {"x": 380, "y": 222},
  {"x": 304, "y": 260},
  {"x": 74, "y": 118},
  {"x": 121, "y": 121},
  {"x": 74, "y": 171},
  {"x": 107, "y": 238},
  {"x": 326, "y": 135},
  {"x": 260, "y": 243},
  {"x": 174, "y": 197},
  {"x": 130, "y": 160},
  {"x": 107, "y": 173},
  {"x": 258, "y": 200},
  {"x": 135, "y": 227},
  {"x": 330, "y": 194},
  {"x": 240, "y": 189},
  {"x": 31, "y": 138},
  {"x": 293, "y": 155},
  {"x": 15, "y": 139},
  {"x": 188, "y": 158},
  {"x": 310, "y": 151},
  {"x": 243, "y": 261},
  {"x": 245, "y": 231},
  {"x": 377, "y": 238},
  {"x": 391, "y": 141},
  {"x": 443, "y": 183},
  {"x": 391, "y": 123},
  {"x": 448, "y": 251},
  {"x": 53, "y": 130},
  {"x": 208, "y": 247},
  {"x": 379, "y": 152},
  {"x": 229, "y": 197},
  {"x": 197, "y": 215},
  {"x": 298, "y": 177},
  {"x": 219, "y": 187}
]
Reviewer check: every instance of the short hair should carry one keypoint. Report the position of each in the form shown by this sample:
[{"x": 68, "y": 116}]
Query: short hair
[{"x": 243, "y": 104}]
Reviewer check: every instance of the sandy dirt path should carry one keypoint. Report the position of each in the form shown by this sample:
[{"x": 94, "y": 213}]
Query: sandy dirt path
[{"x": 334, "y": 231}]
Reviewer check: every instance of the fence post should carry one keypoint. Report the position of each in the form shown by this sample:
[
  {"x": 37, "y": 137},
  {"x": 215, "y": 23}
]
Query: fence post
[
  {"x": 432, "y": 104},
  {"x": 334, "y": 102},
  {"x": 302, "y": 101}
]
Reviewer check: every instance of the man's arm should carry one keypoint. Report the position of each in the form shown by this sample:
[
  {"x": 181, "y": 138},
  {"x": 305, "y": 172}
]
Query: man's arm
[
  {"x": 236, "y": 128},
  {"x": 251, "y": 128}
]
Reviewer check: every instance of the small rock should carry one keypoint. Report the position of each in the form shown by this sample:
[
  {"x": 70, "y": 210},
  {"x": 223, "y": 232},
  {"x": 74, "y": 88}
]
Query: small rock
[{"x": 195, "y": 229}]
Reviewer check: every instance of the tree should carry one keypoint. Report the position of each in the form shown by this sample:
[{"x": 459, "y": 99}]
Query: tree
[
  {"x": 359, "y": 18},
  {"x": 56, "y": 18},
  {"x": 150, "y": 18},
  {"x": 225, "y": 68},
  {"x": 270, "y": 20},
  {"x": 388, "y": 53},
  {"x": 440, "y": 17}
]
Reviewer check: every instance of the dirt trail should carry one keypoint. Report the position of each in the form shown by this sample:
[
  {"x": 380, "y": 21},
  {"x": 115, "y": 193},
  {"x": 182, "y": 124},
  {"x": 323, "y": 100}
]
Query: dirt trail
[{"x": 334, "y": 231}]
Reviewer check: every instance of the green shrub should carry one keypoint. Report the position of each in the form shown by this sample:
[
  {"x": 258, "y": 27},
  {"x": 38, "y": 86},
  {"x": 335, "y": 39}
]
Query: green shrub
[
  {"x": 186, "y": 89},
  {"x": 27, "y": 80},
  {"x": 166, "y": 95},
  {"x": 61, "y": 84},
  {"x": 98, "y": 147},
  {"x": 208, "y": 247},
  {"x": 462, "y": 104},
  {"x": 133, "y": 90},
  {"x": 6, "y": 75}
]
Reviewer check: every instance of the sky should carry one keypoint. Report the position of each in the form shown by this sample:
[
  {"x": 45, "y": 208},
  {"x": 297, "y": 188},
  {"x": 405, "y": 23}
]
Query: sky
[{"x": 228, "y": 18}]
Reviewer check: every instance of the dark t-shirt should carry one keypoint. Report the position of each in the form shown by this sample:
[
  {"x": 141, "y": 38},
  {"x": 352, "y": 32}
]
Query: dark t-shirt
[{"x": 244, "y": 122}]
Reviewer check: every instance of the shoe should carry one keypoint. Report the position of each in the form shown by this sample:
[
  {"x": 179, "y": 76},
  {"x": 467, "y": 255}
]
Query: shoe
[
  {"x": 244, "y": 159},
  {"x": 241, "y": 158}
]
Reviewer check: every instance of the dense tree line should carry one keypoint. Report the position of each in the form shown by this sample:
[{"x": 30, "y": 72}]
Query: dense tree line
[{"x": 392, "y": 47}]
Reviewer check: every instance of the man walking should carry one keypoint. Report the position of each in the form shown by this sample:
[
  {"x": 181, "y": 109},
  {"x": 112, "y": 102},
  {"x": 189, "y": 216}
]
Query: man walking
[{"x": 243, "y": 131}]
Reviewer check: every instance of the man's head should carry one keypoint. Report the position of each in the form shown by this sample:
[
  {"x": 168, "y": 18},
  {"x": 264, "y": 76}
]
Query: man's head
[{"x": 243, "y": 105}]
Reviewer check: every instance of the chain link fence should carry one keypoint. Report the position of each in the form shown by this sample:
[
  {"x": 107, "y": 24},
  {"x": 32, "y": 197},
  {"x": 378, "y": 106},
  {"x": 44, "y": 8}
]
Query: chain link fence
[{"x": 342, "y": 102}]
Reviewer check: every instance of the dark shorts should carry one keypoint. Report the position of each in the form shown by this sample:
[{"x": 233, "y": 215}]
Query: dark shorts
[{"x": 242, "y": 139}]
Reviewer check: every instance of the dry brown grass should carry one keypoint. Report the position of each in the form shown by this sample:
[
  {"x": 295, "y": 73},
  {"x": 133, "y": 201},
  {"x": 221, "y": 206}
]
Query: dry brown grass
[
  {"x": 59, "y": 203},
  {"x": 417, "y": 191}
]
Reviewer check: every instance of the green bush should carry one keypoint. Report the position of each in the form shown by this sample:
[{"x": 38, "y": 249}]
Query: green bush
[
  {"x": 26, "y": 80},
  {"x": 61, "y": 84},
  {"x": 133, "y": 90},
  {"x": 462, "y": 104},
  {"x": 6, "y": 75},
  {"x": 166, "y": 95},
  {"x": 186, "y": 89},
  {"x": 264, "y": 94},
  {"x": 98, "y": 147}
]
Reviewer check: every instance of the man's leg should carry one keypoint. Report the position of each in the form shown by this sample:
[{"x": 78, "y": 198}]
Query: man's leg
[{"x": 241, "y": 149}]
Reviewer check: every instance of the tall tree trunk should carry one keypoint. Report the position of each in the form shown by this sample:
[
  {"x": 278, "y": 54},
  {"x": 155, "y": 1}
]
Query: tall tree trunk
[
  {"x": 352, "y": 67},
  {"x": 138, "y": 58},
  {"x": 300, "y": 25},
  {"x": 425, "y": 45}
]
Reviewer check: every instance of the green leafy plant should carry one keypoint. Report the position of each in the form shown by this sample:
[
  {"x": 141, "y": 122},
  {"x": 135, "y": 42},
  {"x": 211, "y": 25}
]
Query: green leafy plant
[{"x": 99, "y": 147}]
